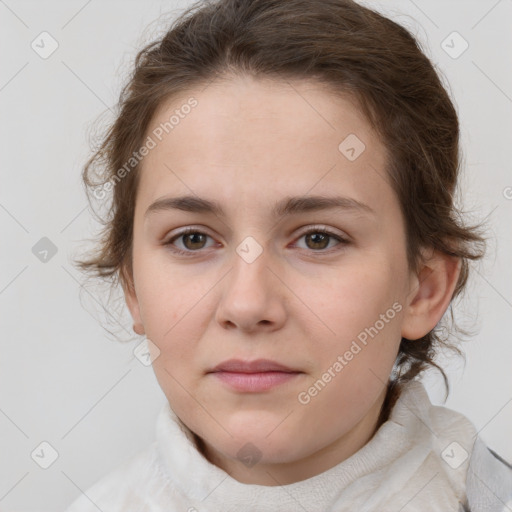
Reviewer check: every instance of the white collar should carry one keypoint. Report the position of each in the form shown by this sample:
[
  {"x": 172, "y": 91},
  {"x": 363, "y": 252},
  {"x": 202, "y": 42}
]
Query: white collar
[{"x": 404, "y": 454}]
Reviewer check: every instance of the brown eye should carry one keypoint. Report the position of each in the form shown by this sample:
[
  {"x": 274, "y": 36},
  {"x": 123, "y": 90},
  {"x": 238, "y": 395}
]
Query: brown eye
[
  {"x": 320, "y": 240},
  {"x": 317, "y": 240},
  {"x": 194, "y": 240},
  {"x": 188, "y": 242}
]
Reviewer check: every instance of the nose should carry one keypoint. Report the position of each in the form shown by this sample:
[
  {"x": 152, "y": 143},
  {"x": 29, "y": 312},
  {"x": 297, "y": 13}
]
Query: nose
[{"x": 253, "y": 298}]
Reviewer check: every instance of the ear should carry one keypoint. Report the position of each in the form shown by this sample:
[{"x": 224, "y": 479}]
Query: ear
[
  {"x": 132, "y": 302},
  {"x": 431, "y": 292}
]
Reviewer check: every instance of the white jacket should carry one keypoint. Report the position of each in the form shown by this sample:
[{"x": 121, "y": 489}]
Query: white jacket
[{"x": 424, "y": 458}]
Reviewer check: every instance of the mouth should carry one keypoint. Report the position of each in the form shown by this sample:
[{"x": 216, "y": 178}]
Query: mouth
[{"x": 253, "y": 376}]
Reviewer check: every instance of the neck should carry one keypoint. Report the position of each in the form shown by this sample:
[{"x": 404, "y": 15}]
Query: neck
[{"x": 272, "y": 474}]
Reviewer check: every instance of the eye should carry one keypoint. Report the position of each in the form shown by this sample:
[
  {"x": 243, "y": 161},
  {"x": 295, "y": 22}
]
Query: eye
[
  {"x": 319, "y": 239},
  {"x": 191, "y": 240}
]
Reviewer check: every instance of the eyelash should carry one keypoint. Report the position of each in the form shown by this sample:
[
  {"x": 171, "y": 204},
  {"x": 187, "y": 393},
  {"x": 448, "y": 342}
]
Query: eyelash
[{"x": 187, "y": 231}]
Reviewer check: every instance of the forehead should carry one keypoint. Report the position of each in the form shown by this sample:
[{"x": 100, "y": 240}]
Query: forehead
[{"x": 251, "y": 138}]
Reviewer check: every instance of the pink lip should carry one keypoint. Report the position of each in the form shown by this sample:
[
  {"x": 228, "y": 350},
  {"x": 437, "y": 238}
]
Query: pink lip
[
  {"x": 254, "y": 382},
  {"x": 256, "y": 366},
  {"x": 253, "y": 376}
]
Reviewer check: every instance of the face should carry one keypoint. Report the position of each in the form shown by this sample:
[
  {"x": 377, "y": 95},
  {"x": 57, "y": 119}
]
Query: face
[{"x": 301, "y": 261}]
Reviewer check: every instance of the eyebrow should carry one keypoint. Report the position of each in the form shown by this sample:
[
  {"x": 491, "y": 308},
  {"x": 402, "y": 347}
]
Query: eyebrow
[{"x": 286, "y": 206}]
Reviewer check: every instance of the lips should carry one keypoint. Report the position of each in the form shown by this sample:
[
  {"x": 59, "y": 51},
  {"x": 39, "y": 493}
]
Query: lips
[
  {"x": 257, "y": 376},
  {"x": 256, "y": 366}
]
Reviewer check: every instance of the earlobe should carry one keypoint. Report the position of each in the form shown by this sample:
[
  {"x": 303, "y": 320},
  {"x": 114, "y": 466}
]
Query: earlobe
[
  {"x": 138, "y": 329},
  {"x": 430, "y": 294},
  {"x": 133, "y": 305}
]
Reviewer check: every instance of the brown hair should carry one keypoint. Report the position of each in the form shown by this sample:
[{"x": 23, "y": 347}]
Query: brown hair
[{"x": 341, "y": 44}]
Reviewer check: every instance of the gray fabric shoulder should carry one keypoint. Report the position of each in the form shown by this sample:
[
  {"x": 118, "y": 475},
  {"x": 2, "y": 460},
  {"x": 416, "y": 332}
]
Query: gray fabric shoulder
[{"x": 488, "y": 481}]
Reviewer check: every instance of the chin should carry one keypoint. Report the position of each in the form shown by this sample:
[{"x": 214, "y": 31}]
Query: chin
[{"x": 261, "y": 451}]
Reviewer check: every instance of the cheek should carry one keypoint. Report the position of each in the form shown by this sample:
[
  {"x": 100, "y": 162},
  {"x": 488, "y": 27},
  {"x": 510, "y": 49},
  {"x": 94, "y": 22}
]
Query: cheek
[
  {"x": 356, "y": 298},
  {"x": 363, "y": 311},
  {"x": 172, "y": 313},
  {"x": 165, "y": 294}
]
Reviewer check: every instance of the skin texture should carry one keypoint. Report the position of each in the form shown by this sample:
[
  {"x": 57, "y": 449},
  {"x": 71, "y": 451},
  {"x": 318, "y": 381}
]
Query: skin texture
[{"x": 302, "y": 302}]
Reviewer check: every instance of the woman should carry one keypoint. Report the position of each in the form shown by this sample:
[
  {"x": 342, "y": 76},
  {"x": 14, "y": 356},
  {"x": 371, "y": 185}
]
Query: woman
[{"x": 283, "y": 227}]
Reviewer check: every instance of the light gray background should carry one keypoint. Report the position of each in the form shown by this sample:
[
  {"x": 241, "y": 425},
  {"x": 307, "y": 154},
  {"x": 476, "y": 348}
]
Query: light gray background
[{"x": 62, "y": 379}]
